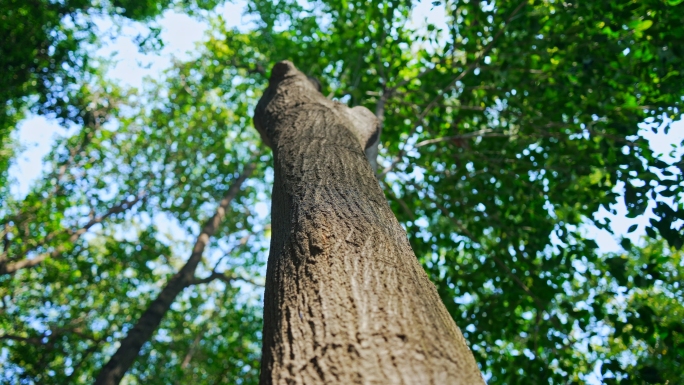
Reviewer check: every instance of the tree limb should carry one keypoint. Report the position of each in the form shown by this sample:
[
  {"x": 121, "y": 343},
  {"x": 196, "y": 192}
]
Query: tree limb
[
  {"x": 483, "y": 133},
  {"x": 227, "y": 278},
  {"x": 426, "y": 110},
  {"x": 9, "y": 268},
  {"x": 403, "y": 204},
  {"x": 129, "y": 348},
  {"x": 28, "y": 340},
  {"x": 541, "y": 306}
]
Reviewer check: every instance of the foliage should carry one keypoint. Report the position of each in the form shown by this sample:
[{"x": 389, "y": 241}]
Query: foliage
[
  {"x": 46, "y": 50},
  {"x": 641, "y": 302},
  {"x": 172, "y": 173},
  {"x": 503, "y": 136}
]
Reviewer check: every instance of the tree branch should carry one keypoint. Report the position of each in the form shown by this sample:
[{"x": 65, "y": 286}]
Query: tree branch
[
  {"x": 129, "y": 348},
  {"x": 227, "y": 278},
  {"x": 9, "y": 268},
  {"x": 496, "y": 259},
  {"x": 91, "y": 124},
  {"x": 403, "y": 204},
  {"x": 29, "y": 340},
  {"x": 426, "y": 110},
  {"x": 541, "y": 306},
  {"x": 484, "y": 133},
  {"x": 224, "y": 277}
]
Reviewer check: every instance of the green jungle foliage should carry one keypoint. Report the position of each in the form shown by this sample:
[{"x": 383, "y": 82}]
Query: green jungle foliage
[{"x": 503, "y": 137}]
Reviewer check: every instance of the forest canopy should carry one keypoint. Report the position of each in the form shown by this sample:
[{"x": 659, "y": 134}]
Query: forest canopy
[{"x": 505, "y": 133}]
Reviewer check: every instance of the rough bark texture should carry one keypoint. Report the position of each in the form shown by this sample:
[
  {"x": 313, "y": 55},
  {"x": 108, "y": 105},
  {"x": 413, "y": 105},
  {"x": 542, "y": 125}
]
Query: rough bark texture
[
  {"x": 129, "y": 347},
  {"x": 346, "y": 300}
]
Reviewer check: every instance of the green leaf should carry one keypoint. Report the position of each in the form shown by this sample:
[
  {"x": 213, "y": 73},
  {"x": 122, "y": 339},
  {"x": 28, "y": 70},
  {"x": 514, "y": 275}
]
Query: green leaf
[{"x": 641, "y": 25}]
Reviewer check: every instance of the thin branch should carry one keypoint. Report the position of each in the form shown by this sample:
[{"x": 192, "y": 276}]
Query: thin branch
[
  {"x": 29, "y": 340},
  {"x": 84, "y": 357},
  {"x": 129, "y": 347},
  {"x": 193, "y": 347},
  {"x": 186, "y": 87},
  {"x": 431, "y": 105},
  {"x": 55, "y": 333},
  {"x": 59, "y": 173},
  {"x": 483, "y": 133},
  {"x": 481, "y": 54},
  {"x": 240, "y": 244},
  {"x": 200, "y": 335},
  {"x": 227, "y": 278},
  {"x": 257, "y": 68},
  {"x": 10, "y": 268},
  {"x": 496, "y": 259},
  {"x": 224, "y": 277},
  {"x": 403, "y": 204}
]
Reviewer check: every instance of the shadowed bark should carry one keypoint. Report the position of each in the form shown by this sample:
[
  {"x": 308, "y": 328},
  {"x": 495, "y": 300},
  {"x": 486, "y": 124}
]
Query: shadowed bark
[
  {"x": 346, "y": 300},
  {"x": 129, "y": 348}
]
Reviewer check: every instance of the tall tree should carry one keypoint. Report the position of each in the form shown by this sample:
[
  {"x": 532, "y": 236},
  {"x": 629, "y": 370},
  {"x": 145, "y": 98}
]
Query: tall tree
[
  {"x": 346, "y": 299},
  {"x": 507, "y": 128}
]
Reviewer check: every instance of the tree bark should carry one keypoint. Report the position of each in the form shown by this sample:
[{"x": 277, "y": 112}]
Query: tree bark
[
  {"x": 129, "y": 348},
  {"x": 346, "y": 300}
]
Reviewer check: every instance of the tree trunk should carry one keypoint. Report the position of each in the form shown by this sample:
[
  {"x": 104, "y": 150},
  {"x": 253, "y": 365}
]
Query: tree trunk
[
  {"x": 346, "y": 300},
  {"x": 129, "y": 347}
]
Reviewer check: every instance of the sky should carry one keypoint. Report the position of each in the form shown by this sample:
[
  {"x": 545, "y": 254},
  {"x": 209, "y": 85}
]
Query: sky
[{"x": 182, "y": 33}]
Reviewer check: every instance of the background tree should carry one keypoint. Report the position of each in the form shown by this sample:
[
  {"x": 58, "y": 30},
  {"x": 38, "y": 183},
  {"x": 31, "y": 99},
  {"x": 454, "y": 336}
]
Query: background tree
[{"x": 503, "y": 136}]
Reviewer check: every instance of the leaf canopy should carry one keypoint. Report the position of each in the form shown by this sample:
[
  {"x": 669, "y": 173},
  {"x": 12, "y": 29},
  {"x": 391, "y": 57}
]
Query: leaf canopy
[{"x": 507, "y": 128}]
